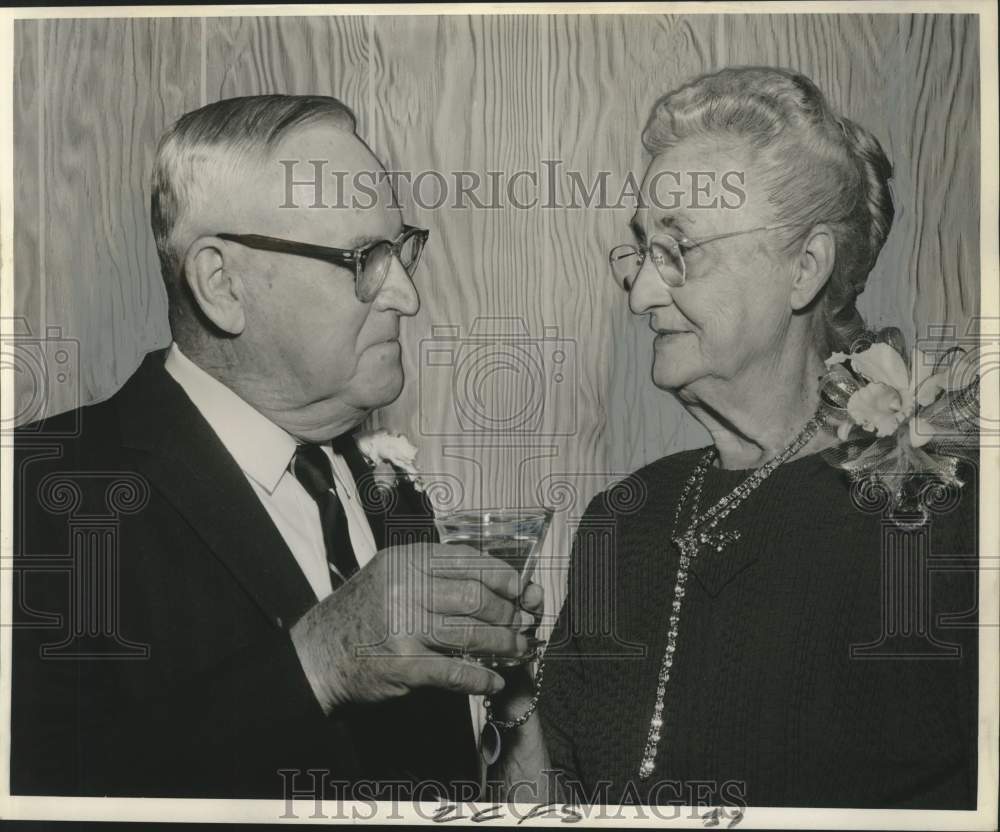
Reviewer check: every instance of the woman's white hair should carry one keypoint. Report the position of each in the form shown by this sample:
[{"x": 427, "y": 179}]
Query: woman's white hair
[{"x": 820, "y": 168}]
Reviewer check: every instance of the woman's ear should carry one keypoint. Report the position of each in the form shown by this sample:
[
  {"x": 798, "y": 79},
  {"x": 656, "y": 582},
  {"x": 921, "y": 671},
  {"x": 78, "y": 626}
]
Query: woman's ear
[
  {"x": 815, "y": 265},
  {"x": 217, "y": 290}
]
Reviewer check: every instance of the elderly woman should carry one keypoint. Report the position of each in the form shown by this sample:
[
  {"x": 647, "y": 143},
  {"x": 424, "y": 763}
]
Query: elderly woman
[{"x": 728, "y": 636}]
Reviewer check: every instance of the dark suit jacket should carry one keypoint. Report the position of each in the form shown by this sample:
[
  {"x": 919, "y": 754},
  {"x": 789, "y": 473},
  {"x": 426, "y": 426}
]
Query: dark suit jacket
[{"x": 153, "y": 597}]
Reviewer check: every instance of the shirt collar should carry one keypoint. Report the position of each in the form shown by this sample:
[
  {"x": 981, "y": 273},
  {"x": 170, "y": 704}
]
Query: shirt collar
[{"x": 261, "y": 448}]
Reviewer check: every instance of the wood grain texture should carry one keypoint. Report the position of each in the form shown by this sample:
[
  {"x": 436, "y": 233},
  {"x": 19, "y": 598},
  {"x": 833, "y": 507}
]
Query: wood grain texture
[
  {"x": 855, "y": 61},
  {"x": 599, "y": 94},
  {"x": 100, "y": 124},
  {"x": 912, "y": 80},
  {"x": 289, "y": 55},
  {"x": 31, "y": 397},
  {"x": 937, "y": 167},
  {"x": 499, "y": 420},
  {"x": 644, "y": 423},
  {"x": 466, "y": 94},
  {"x": 454, "y": 95}
]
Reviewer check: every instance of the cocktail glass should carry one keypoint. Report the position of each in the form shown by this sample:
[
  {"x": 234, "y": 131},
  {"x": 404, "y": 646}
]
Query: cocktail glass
[{"x": 512, "y": 535}]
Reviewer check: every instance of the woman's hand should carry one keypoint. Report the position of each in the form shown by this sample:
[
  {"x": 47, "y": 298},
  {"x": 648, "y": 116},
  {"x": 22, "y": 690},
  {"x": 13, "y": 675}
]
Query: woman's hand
[
  {"x": 523, "y": 756},
  {"x": 519, "y": 686},
  {"x": 515, "y": 698}
]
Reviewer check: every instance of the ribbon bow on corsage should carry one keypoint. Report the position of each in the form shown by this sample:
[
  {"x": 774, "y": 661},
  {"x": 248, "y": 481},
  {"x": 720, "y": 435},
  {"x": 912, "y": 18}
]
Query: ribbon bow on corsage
[{"x": 896, "y": 420}]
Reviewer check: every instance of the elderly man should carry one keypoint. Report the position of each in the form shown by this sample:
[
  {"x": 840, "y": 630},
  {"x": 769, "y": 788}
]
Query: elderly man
[{"x": 249, "y": 641}]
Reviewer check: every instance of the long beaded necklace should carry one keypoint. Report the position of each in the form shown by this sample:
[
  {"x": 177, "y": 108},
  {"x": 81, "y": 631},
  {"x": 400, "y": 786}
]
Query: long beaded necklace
[{"x": 698, "y": 534}]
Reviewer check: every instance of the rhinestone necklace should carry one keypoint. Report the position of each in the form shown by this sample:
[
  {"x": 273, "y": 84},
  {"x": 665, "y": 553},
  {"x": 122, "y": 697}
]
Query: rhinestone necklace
[{"x": 698, "y": 533}]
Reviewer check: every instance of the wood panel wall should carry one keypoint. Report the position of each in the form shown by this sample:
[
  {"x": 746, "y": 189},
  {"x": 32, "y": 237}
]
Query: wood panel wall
[{"x": 484, "y": 93}]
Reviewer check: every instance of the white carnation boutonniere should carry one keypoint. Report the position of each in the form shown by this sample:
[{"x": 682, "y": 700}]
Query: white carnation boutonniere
[
  {"x": 897, "y": 415},
  {"x": 389, "y": 453}
]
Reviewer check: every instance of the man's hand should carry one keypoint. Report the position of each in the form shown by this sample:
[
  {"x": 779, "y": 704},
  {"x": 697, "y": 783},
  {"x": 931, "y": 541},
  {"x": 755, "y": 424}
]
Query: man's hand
[{"x": 401, "y": 622}]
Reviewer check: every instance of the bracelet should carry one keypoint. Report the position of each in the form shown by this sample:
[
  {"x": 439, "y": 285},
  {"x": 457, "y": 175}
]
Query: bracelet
[{"x": 519, "y": 721}]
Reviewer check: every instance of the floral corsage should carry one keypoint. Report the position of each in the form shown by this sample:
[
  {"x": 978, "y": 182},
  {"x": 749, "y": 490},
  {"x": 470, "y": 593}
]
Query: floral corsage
[
  {"x": 390, "y": 454},
  {"x": 901, "y": 418}
]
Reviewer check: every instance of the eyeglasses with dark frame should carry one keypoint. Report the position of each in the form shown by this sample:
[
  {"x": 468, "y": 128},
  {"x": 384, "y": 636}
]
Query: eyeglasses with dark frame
[
  {"x": 668, "y": 255},
  {"x": 369, "y": 263}
]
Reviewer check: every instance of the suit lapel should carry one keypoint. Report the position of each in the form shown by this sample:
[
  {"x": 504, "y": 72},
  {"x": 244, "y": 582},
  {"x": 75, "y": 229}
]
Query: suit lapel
[
  {"x": 430, "y": 729},
  {"x": 401, "y": 509},
  {"x": 183, "y": 459},
  {"x": 177, "y": 450}
]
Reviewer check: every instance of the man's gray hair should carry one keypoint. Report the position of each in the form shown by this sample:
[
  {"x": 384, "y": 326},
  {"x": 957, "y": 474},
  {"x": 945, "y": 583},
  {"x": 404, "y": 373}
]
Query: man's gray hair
[{"x": 218, "y": 137}]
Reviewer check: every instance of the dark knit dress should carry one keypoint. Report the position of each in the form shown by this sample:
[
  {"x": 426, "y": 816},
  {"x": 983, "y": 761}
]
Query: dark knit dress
[{"x": 826, "y": 659}]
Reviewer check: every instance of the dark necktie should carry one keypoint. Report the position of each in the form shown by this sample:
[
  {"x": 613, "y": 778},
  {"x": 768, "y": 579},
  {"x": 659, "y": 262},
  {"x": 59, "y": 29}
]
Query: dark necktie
[{"x": 313, "y": 469}]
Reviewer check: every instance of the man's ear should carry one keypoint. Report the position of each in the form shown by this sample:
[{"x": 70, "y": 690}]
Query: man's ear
[
  {"x": 217, "y": 290},
  {"x": 815, "y": 264}
]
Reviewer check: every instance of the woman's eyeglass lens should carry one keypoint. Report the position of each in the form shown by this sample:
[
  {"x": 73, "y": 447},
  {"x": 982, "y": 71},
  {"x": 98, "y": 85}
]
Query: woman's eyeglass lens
[
  {"x": 627, "y": 260},
  {"x": 376, "y": 264}
]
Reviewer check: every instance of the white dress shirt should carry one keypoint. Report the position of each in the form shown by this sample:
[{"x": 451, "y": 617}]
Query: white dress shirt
[{"x": 264, "y": 453}]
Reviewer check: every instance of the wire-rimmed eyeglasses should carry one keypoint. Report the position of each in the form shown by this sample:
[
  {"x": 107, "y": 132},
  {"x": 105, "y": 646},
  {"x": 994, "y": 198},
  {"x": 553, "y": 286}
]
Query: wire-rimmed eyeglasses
[
  {"x": 667, "y": 254},
  {"x": 369, "y": 263}
]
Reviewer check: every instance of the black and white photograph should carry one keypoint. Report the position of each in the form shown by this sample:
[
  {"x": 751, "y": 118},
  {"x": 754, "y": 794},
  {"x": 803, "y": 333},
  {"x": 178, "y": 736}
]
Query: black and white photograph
[{"x": 492, "y": 415}]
